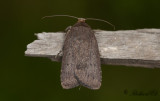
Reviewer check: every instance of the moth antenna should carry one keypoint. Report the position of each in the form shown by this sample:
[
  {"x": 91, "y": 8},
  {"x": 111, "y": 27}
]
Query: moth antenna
[
  {"x": 102, "y": 21},
  {"x": 60, "y": 15}
]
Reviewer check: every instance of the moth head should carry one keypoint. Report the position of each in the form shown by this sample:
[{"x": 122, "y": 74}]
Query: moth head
[{"x": 81, "y": 19}]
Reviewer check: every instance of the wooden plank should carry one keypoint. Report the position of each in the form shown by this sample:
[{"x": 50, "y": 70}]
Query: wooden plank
[{"x": 139, "y": 47}]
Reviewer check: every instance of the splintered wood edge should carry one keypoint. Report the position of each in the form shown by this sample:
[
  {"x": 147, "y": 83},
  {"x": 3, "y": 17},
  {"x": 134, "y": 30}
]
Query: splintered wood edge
[{"x": 150, "y": 37}]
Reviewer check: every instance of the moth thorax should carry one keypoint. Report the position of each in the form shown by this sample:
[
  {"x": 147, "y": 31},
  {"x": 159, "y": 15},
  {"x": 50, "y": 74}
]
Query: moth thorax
[{"x": 81, "y": 19}]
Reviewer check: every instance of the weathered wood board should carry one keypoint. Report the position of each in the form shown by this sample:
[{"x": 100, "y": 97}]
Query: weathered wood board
[{"x": 139, "y": 47}]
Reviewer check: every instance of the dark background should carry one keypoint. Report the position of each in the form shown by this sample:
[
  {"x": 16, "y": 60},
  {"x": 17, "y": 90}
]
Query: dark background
[{"x": 38, "y": 79}]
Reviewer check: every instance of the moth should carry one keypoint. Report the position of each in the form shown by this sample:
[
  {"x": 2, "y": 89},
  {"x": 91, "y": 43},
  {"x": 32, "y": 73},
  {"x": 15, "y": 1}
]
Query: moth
[
  {"x": 81, "y": 60},
  {"x": 81, "y": 65}
]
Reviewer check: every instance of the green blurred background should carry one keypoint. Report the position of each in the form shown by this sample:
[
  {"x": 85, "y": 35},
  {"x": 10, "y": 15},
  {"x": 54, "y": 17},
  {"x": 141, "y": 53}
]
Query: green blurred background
[{"x": 38, "y": 79}]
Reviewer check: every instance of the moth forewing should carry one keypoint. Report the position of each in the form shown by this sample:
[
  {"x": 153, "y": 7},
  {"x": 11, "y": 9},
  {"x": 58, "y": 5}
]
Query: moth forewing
[{"x": 81, "y": 60}]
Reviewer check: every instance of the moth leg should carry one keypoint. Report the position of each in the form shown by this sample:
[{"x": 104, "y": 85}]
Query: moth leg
[
  {"x": 60, "y": 53},
  {"x": 68, "y": 28}
]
